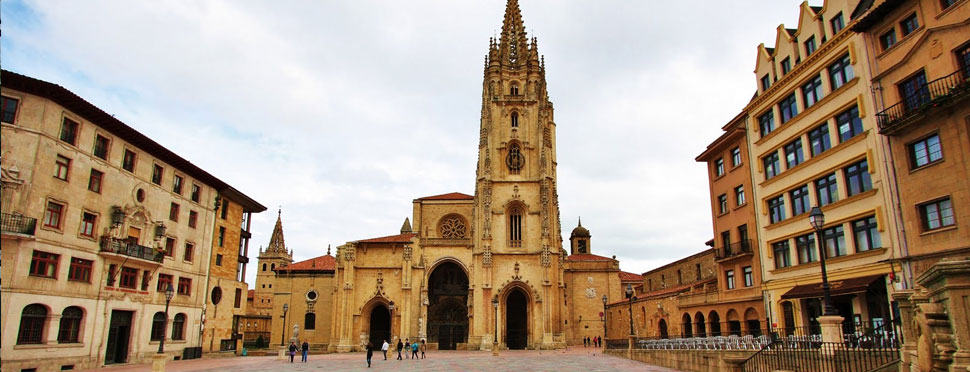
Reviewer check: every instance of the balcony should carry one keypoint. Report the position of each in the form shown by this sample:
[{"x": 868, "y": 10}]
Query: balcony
[
  {"x": 941, "y": 92},
  {"x": 733, "y": 250},
  {"x": 125, "y": 248},
  {"x": 17, "y": 224},
  {"x": 697, "y": 299}
]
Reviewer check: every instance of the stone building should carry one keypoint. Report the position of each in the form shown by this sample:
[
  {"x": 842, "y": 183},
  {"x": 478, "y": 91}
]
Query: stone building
[{"x": 98, "y": 221}]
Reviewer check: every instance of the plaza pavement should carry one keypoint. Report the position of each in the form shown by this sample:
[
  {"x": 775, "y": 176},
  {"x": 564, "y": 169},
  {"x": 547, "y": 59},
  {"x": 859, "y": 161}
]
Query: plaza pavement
[{"x": 573, "y": 359}]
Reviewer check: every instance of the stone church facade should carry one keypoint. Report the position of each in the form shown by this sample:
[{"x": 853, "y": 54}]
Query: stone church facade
[{"x": 471, "y": 269}]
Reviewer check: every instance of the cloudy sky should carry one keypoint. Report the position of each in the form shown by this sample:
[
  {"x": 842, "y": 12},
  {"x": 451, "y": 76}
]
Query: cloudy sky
[{"x": 342, "y": 112}]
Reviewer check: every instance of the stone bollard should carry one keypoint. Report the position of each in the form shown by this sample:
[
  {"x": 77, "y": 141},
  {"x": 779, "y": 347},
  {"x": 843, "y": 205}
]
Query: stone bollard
[
  {"x": 734, "y": 363},
  {"x": 158, "y": 362},
  {"x": 831, "y": 332}
]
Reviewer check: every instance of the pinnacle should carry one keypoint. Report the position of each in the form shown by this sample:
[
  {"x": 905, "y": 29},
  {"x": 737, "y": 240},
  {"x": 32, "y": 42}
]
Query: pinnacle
[{"x": 276, "y": 242}]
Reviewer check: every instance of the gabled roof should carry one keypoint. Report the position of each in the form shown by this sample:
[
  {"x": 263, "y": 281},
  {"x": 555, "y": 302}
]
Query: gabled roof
[
  {"x": 630, "y": 277},
  {"x": 448, "y": 196},
  {"x": 400, "y": 238},
  {"x": 587, "y": 257},
  {"x": 318, "y": 264}
]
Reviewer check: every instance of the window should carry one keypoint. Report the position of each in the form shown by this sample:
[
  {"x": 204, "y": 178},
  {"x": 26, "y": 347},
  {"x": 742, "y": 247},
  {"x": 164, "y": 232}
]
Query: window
[
  {"x": 218, "y": 260},
  {"x": 514, "y": 90},
  {"x": 729, "y": 279},
  {"x": 888, "y": 39},
  {"x": 837, "y": 23},
  {"x": 112, "y": 272},
  {"x": 866, "y": 234},
  {"x": 722, "y": 204},
  {"x": 88, "y": 221},
  {"x": 80, "y": 270},
  {"x": 925, "y": 151},
  {"x": 726, "y": 242},
  {"x": 157, "y": 171},
  {"x": 799, "y": 200},
  {"x": 44, "y": 264},
  {"x": 196, "y": 193},
  {"x": 222, "y": 235},
  {"x": 812, "y": 91},
  {"x": 169, "y": 246},
  {"x": 310, "y": 321},
  {"x": 514, "y": 160},
  {"x": 238, "y": 299},
  {"x": 781, "y": 253},
  {"x": 936, "y": 214},
  {"x": 146, "y": 277},
  {"x": 739, "y": 195},
  {"x": 743, "y": 235},
  {"x": 841, "y": 72},
  {"x": 101, "y": 146},
  {"x": 735, "y": 157},
  {"x": 69, "y": 330},
  {"x": 793, "y": 154},
  {"x": 963, "y": 58},
  {"x": 827, "y": 190},
  {"x": 158, "y": 326},
  {"x": 177, "y": 184},
  {"x": 52, "y": 215},
  {"x": 94, "y": 182},
  {"x": 515, "y": 227},
  {"x": 62, "y": 167},
  {"x": 834, "y": 240},
  {"x": 771, "y": 164},
  {"x": 748, "y": 276},
  {"x": 185, "y": 286},
  {"x": 807, "y": 252},
  {"x": 766, "y": 123},
  {"x": 819, "y": 139},
  {"x": 225, "y": 208},
  {"x": 849, "y": 124},
  {"x": 189, "y": 248},
  {"x": 857, "y": 177},
  {"x": 164, "y": 281},
  {"x": 810, "y": 46},
  {"x": 9, "y": 107},
  {"x": 69, "y": 131},
  {"x": 514, "y": 119},
  {"x": 776, "y": 208},
  {"x": 914, "y": 91},
  {"x": 32, "y": 321},
  {"x": 193, "y": 218},
  {"x": 173, "y": 212},
  {"x": 129, "y": 278},
  {"x": 719, "y": 167},
  {"x": 789, "y": 108},
  {"x": 947, "y": 3},
  {"x": 765, "y": 82},
  {"x": 909, "y": 24},
  {"x": 785, "y": 66},
  {"x": 128, "y": 161},
  {"x": 178, "y": 327}
]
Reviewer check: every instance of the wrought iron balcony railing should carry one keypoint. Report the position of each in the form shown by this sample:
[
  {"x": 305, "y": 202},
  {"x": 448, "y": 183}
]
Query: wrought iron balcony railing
[
  {"x": 17, "y": 224},
  {"x": 123, "y": 247},
  {"x": 937, "y": 93},
  {"x": 733, "y": 250}
]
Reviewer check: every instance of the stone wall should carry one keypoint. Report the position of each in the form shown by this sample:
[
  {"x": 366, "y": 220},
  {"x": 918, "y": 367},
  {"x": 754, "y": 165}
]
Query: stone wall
[{"x": 685, "y": 360}]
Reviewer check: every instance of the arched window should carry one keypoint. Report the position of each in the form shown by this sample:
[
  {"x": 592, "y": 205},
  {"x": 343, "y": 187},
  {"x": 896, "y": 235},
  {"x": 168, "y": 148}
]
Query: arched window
[
  {"x": 272, "y": 266},
  {"x": 310, "y": 321},
  {"x": 662, "y": 328},
  {"x": 264, "y": 266},
  {"x": 687, "y": 327},
  {"x": 32, "y": 324},
  {"x": 158, "y": 326},
  {"x": 515, "y": 160},
  {"x": 699, "y": 325},
  {"x": 643, "y": 316},
  {"x": 515, "y": 120},
  {"x": 714, "y": 321},
  {"x": 515, "y": 227},
  {"x": 178, "y": 327},
  {"x": 514, "y": 89},
  {"x": 70, "y": 327}
]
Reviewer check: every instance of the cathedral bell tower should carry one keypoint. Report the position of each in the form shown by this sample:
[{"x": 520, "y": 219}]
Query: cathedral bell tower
[{"x": 275, "y": 255}]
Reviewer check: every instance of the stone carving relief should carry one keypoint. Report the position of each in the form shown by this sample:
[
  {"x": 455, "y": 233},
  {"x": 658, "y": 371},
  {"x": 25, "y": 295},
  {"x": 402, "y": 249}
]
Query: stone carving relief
[
  {"x": 590, "y": 292},
  {"x": 407, "y": 252},
  {"x": 545, "y": 255},
  {"x": 487, "y": 256},
  {"x": 379, "y": 289},
  {"x": 516, "y": 275}
]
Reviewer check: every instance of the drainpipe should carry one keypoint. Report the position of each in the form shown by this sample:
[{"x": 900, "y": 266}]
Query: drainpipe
[{"x": 209, "y": 227}]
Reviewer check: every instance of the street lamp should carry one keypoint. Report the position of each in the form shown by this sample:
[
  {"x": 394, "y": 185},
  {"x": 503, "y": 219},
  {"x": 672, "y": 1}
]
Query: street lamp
[
  {"x": 631, "y": 298},
  {"x": 286, "y": 307},
  {"x": 817, "y": 219},
  {"x": 495, "y": 329},
  {"x": 168, "y": 299},
  {"x": 604, "y": 316}
]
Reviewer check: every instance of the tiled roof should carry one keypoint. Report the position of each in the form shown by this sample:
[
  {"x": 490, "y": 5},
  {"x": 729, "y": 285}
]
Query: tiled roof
[
  {"x": 587, "y": 257},
  {"x": 322, "y": 263},
  {"x": 448, "y": 196},
  {"x": 629, "y": 277},
  {"x": 400, "y": 238}
]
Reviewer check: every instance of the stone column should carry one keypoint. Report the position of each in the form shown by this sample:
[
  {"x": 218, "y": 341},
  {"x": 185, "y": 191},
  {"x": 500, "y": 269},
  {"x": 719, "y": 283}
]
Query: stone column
[
  {"x": 945, "y": 322},
  {"x": 907, "y": 351},
  {"x": 831, "y": 331}
]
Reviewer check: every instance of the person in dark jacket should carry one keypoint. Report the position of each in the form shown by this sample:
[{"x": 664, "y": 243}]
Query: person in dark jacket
[
  {"x": 400, "y": 346},
  {"x": 407, "y": 348},
  {"x": 370, "y": 353},
  {"x": 292, "y": 350},
  {"x": 306, "y": 350}
]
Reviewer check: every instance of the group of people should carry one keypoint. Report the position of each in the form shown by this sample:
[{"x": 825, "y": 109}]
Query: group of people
[
  {"x": 592, "y": 341},
  {"x": 409, "y": 348},
  {"x": 305, "y": 348}
]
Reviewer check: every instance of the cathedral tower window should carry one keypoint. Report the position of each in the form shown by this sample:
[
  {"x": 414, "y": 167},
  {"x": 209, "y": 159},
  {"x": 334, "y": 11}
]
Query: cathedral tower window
[
  {"x": 515, "y": 160},
  {"x": 515, "y": 120},
  {"x": 514, "y": 90},
  {"x": 452, "y": 227},
  {"x": 515, "y": 227}
]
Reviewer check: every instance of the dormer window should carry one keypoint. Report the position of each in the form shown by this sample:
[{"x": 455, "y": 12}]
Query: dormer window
[
  {"x": 515, "y": 120},
  {"x": 765, "y": 82},
  {"x": 785, "y": 66},
  {"x": 810, "y": 46}
]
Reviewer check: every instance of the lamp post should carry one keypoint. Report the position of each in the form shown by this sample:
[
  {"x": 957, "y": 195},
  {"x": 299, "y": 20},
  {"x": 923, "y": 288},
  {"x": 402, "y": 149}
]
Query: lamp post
[
  {"x": 604, "y": 316},
  {"x": 817, "y": 219},
  {"x": 286, "y": 307},
  {"x": 495, "y": 329},
  {"x": 631, "y": 298},
  {"x": 168, "y": 299}
]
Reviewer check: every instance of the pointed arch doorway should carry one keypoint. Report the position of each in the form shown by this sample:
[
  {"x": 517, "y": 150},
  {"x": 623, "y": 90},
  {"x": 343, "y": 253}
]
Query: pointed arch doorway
[
  {"x": 380, "y": 325},
  {"x": 516, "y": 320},
  {"x": 448, "y": 306}
]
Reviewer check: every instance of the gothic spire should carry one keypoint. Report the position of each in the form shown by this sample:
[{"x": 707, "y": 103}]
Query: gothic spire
[
  {"x": 276, "y": 244},
  {"x": 513, "y": 43}
]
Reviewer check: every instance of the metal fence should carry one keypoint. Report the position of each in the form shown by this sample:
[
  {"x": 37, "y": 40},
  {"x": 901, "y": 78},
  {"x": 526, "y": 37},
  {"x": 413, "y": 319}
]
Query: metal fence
[
  {"x": 860, "y": 351},
  {"x": 15, "y": 223},
  {"x": 933, "y": 93}
]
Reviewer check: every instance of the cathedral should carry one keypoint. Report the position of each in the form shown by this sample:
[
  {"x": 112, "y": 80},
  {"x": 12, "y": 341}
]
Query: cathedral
[{"x": 468, "y": 272}]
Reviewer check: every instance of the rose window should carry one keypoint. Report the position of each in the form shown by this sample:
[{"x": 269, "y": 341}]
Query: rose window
[{"x": 453, "y": 228}]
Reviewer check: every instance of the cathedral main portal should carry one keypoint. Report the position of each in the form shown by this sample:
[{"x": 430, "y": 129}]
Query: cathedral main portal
[
  {"x": 448, "y": 306},
  {"x": 516, "y": 320}
]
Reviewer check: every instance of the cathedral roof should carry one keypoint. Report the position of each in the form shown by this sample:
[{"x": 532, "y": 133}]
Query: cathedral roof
[
  {"x": 579, "y": 231},
  {"x": 322, "y": 263},
  {"x": 400, "y": 238},
  {"x": 630, "y": 277},
  {"x": 448, "y": 196},
  {"x": 276, "y": 243},
  {"x": 587, "y": 257}
]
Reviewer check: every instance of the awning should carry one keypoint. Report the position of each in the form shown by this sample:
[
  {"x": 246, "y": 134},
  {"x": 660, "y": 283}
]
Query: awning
[{"x": 837, "y": 287}]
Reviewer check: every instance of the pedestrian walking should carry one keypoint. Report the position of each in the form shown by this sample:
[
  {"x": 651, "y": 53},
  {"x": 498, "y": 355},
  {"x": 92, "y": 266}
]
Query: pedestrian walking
[
  {"x": 384, "y": 349},
  {"x": 424, "y": 347},
  {"x": 306, "y": 350},
  {"x": 292, "y": 350},
  {"x": 414, "y": 350},
  {"x": 370, "y": 353},
  {"x": 400, "y": 345},
  {"x": 407, "y": 348},
  {"x": 585, "y": 341}
]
